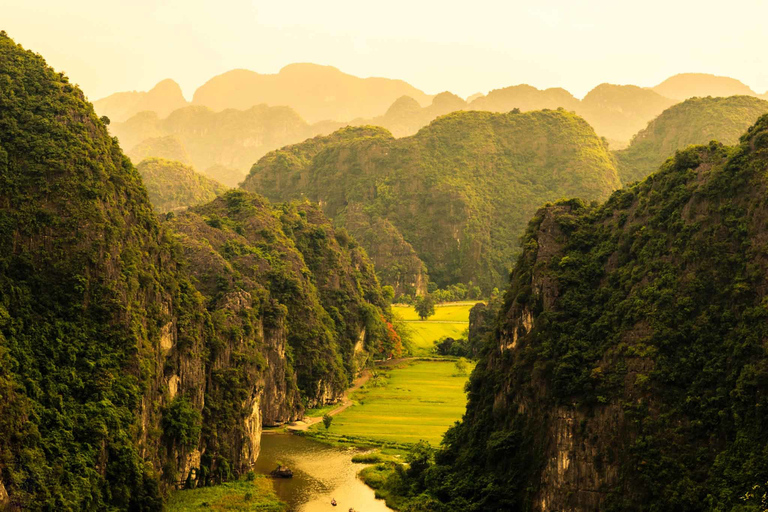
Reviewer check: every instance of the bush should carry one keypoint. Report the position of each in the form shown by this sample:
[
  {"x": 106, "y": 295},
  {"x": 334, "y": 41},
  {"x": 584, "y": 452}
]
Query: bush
[{"x": 181, "y": 422}]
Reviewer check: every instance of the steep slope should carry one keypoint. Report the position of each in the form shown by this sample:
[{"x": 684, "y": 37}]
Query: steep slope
[
  {"x": 629, "y": 369},
  {"x": 688, "y": 85},
  {"x": 695, "y": 121},
  {"x": 119, "y": 379},
  {"x": 288, "y": 260},
  {"x": 316, "y": 92},
  {"x": 89, "y": 297},
  {"x": 459, "y": 191},
  {"x": 234, "y": 139},
  {"x": 172, "y": 185},
  {"x": 617, "y": 112},
  {"x": 162, "y": 99}
]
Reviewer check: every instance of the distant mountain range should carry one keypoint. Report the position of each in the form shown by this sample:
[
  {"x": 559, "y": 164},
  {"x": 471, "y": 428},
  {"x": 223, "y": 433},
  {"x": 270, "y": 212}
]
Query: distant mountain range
[{"x": 237, "y": 117}]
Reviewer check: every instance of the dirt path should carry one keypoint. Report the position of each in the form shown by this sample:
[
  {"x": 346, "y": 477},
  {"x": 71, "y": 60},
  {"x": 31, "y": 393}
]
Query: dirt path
[{"x": 346, "y": 402}]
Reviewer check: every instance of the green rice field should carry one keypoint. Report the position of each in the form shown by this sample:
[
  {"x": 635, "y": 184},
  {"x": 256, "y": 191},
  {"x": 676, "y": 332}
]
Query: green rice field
[
  {"x": 450, "y": 319},
  {"x": 417, "y": 401}
]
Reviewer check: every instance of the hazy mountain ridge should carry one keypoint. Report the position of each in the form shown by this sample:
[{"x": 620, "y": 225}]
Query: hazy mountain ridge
[
  {"x": 163, "y": 98},
  {"x": 459, "y": 191},
  {"x": 694, "y": 121},
  {"x": 617, "y": 112},
  {"x": 234, "y": 139},
  {"x": 317, "y": 93},
  {"x": 688, "y": 85}
]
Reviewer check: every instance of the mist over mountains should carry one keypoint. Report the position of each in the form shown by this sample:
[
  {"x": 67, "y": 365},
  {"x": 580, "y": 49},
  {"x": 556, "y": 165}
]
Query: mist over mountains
[{"x": 237, "y": 117}]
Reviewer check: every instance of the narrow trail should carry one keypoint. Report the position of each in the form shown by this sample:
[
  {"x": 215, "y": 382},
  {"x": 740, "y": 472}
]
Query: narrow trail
[{"x": 346, "y": 402}]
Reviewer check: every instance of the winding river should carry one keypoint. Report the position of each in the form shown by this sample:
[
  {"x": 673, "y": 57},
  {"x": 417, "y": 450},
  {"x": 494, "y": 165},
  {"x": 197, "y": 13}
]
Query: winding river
[{"x": 320, "y": 473}]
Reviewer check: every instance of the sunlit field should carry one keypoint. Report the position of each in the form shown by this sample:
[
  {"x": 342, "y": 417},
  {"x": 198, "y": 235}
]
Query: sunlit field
[
  {"x": 450, "y": 319},
  {"x": 418, "y": 401}
]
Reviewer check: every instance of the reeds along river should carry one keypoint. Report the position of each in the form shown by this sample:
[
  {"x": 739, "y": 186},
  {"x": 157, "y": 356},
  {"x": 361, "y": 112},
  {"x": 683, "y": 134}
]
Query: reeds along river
[{"x": 320, "y": 473}]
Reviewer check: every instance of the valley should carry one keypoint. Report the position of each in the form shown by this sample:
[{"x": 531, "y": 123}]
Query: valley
[{"x": 272, "y": 284}]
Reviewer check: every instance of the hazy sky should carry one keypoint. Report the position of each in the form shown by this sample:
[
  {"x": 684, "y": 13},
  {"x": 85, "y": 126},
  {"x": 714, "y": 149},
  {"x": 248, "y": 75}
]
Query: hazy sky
[{"x": 466, "y": 47}]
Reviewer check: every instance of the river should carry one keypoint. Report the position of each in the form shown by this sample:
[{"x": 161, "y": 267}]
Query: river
[{"x": 320, "y": 473}]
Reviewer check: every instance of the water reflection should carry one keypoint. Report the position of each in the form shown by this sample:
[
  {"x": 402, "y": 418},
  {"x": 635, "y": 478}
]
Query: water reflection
[{"x": 320, "y": 473}]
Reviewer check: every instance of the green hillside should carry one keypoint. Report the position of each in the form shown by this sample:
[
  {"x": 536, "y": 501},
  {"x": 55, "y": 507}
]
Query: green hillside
[
  {"x": 459, "y": 191},
  {"x": 628, "y": 370},
  {"x": 134, "y": 357},
  {"x": 173, "y": 185},
  {"x": 695, "y": 121}
]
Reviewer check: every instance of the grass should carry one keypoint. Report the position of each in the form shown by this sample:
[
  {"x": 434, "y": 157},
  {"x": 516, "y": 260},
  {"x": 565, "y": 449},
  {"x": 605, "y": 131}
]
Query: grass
[
  {"x": 239, "y": 496},
  {"x": 450, "y": 319},
  {"x": 418, "y": 401}
]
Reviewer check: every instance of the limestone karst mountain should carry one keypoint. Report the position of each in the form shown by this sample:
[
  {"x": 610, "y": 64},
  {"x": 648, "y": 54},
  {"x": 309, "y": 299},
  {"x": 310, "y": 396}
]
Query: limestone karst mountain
[
  {"x": 162, "y": 99},
  {"x": 172, "y": 185},
  {"x": 524, "y": 97},
  {"x": 231, "y": 139},
  {"x": 168, "y": 147},
  {"x": 133, "y": 354},
  {"x": 459, "y": 191},
  {"x": 405, "y": 116},
  {"x": 688, "y": 85},
  {"x": 617, "y": 112},
  {"x": 694, "y": 121},
  {"x": 628, "y": 369},
  {"x": 316, "y": 93}
]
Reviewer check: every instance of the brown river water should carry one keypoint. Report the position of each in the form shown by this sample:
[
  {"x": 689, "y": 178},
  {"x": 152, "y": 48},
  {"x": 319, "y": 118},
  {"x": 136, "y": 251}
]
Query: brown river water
[{"x": 320, "y": 473}]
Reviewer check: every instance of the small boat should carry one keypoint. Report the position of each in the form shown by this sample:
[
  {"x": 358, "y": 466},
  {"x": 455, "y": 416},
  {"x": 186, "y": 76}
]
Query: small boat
[
  {"x": 333, "y": 502},
  {"x": 282, "y": 472}
]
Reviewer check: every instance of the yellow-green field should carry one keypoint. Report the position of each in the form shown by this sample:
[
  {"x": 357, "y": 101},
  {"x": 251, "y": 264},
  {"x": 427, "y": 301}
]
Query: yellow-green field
[
  {"x": 450, "y": 319},
  {"x": 418, "y": 401},
  {"x": 239, "y": 495}
]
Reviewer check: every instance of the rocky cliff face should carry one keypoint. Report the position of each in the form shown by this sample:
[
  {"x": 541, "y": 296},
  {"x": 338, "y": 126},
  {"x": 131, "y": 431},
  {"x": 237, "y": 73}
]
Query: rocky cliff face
[
  {"x": 139, "y": 356},
  {"x": 629, "y": 370}
]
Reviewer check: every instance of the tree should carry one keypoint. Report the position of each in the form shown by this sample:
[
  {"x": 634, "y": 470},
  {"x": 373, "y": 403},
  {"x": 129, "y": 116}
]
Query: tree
[
  {"x": 327, "y": 420},
  {"x": 425, "y": 306},
  {"x": 461, "y": 366},
  {"x": 388, "y": 293}
]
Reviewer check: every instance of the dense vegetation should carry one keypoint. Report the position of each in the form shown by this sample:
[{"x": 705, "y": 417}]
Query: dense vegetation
[
  {"x": 84, "y": 279},
  {"x": 296, "y": 269},
  {"x": 134, "y": 359},
  {"x": 695, "y": 121},
  {"x": 616, "y": 112},
  {"x": 459, "y": 191},
  {"x": 172, "y": 185},
  {"x": 628, "y": 370}
]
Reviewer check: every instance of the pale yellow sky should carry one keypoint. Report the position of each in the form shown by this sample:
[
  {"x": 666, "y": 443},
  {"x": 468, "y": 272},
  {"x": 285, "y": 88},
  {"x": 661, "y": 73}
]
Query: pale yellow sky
[{"x": 466, "y": 47}]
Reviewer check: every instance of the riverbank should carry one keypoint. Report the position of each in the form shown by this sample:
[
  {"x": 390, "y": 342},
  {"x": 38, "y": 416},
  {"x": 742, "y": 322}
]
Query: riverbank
[{"x": 249, "y": 494}]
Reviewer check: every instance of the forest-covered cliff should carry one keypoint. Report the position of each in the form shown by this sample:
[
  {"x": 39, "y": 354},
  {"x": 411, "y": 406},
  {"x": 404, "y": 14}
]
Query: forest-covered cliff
[
  {"x": 133, "y": 354},
  {"x": 628, "y": 369}
]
